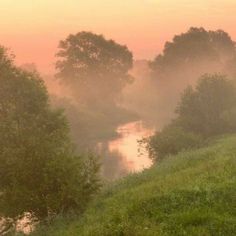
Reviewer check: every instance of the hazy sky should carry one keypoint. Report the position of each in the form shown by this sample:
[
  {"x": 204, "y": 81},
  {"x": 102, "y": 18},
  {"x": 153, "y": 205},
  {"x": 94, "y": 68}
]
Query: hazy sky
[{"x": 32, "y": 28}]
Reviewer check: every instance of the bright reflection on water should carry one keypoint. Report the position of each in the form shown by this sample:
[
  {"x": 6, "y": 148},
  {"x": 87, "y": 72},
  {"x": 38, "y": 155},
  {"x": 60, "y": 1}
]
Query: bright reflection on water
[{"x": 127, "y": 144}]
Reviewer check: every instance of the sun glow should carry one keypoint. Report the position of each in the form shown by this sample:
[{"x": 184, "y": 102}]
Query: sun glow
[{"x": 32, "y": 29}]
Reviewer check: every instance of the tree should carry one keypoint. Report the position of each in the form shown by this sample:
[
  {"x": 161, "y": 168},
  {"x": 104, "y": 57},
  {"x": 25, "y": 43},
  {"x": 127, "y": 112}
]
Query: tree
[
  {"x": 187, "y": 57},
  {"x": 203, "y": 112},
  {"x": 39, "y": 171},
  {"x": 93, "y": 66},
  {"x": 197, "y": 52},
  {"x": 210, "y": 108}
]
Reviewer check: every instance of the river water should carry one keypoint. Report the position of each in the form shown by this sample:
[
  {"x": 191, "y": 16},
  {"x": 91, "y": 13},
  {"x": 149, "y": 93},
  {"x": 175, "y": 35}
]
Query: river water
[{"x": 135, "y": 156}]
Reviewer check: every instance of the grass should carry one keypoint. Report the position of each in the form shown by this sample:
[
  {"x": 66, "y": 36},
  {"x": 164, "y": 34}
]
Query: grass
[{"x": 192, "y": 193}]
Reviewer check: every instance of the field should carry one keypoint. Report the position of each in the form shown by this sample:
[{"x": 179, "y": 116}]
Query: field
[{"x": 192, "y": 193}]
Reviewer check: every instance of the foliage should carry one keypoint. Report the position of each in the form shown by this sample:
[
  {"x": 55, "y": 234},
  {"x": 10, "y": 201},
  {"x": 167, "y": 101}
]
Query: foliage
[
  {"x": 192, "y": 194},
  {"x": 94, "y": 67},
  {"x": 184, "y": 59},
  {"x": 90, "y": 126},
  {"x": 195, "y": 47},
  {"x": 171, "y": 140},
  {"x": 95, "y": 70},
  {"x": 39, "y": 172},
  {"x": 209, "y": 109},
  {"x": 206, "y": 111}
]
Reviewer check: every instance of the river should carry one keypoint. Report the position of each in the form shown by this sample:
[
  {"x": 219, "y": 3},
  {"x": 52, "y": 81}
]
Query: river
[{"x": 135, "y": 156}]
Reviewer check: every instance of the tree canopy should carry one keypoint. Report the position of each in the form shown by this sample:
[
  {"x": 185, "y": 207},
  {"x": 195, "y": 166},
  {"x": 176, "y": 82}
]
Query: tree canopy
[
  {"x": 209, "y": 107},
  {"x": 196, "y": 51},
  {"x": 94, "y": 66},
  {"x": 39, "y": 171},
  {"x": 205, "y": 111},
  {"x": 184, "y": 59}
]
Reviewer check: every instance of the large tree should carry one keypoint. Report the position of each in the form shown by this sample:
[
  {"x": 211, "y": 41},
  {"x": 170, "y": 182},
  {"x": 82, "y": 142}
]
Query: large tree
[
  {"x": 197, "y": 51},
  {"x": 39, "y": 172},
  {"x": 96, "y": 68},
  {"x": 184, "y": 59}
]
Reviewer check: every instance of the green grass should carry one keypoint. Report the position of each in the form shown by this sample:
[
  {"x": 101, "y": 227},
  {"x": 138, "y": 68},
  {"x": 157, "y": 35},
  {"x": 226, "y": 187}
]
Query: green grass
[{"x": 193, "y": 193}]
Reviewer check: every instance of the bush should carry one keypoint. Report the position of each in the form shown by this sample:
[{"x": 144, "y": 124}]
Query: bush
[
  {"x": 170, "y": 141},
  {"x": 39, "y": 171},
  {"x": 207, "y": 111}
]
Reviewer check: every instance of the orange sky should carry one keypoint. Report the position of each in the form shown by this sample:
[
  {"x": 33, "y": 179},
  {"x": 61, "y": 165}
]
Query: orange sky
[{"x": 32, "y": 28}]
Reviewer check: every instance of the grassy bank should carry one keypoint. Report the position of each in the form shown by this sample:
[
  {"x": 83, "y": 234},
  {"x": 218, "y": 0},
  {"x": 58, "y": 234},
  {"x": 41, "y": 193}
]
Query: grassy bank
[{"x": 193, "y": 193}]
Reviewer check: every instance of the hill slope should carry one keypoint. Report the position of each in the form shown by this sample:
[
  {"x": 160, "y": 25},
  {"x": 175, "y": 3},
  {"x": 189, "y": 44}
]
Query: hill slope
[{"x": 193, "y": 193}]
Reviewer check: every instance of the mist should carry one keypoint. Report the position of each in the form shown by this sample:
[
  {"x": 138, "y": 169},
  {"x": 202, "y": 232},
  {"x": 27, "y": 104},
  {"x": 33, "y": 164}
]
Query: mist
[
  {"x": 117, "y": 117},
  {"x": 128, "y": 91},
  {"x": 159, "y": 84},
  {"x": 96, "y": 109}
]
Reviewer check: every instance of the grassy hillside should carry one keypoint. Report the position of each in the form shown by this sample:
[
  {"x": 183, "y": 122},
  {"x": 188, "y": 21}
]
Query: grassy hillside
[{"x": 193, "y": 193}]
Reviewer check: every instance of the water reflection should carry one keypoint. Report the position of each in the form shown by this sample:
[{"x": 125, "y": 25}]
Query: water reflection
[
  {"x": 135, "y": 157},
  {"x": 114, "y": 165}
]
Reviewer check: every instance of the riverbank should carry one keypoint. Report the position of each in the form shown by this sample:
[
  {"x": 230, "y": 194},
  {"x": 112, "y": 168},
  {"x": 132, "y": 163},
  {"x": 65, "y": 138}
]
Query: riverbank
[{"x": 192, "y": 193}]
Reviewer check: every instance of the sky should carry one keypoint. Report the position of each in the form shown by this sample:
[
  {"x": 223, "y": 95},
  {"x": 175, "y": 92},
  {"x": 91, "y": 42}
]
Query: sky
[{"x": 32, "y": 29}]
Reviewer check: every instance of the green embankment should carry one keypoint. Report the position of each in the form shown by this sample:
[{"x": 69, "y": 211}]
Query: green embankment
[{"x": 193, "y": 193}]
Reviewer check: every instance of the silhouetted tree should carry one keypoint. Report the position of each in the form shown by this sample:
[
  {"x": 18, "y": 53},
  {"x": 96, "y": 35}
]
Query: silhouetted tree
[
  {"x": 187, "y": 57},
  {"x": 94, "y": 67},
  {"x": 196, "y": 51}
]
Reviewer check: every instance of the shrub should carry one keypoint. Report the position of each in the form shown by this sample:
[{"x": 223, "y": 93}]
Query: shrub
[
  {"x": 209, "y": 109},
  {"x": 170, "y": 141},
  {"x": 39, "y": 171},
  {"x": 206, "y": 111}
]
